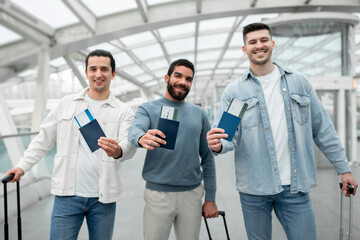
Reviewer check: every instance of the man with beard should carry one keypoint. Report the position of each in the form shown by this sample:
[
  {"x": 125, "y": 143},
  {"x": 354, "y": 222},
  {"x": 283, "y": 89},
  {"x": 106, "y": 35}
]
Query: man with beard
[
  {"x": 274, "y": 150},
  {"x": 173, "y": 194}
]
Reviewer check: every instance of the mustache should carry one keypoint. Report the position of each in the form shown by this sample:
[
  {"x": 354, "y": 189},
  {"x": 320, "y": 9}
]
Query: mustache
[
  {"x": 263, "y": 48},
  {"x": 182, "y": 86}
]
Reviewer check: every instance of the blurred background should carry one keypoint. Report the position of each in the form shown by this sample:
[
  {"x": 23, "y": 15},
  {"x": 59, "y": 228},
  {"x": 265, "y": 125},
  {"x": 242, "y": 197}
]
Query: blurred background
[{"x": 43, "y": 45}]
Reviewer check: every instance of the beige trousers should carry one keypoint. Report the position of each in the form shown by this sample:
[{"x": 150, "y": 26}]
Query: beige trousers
[{"x": 163, "y": 209}]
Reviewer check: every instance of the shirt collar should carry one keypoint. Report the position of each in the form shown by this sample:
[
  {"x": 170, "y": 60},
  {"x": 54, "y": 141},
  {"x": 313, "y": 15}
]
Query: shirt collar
[
  {"x": 248, "y": 74},
  {"x": 81, "y": 96}
]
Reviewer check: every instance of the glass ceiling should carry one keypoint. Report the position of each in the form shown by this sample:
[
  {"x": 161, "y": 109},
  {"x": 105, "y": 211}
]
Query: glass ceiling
[{"x": 207, "y": 32}]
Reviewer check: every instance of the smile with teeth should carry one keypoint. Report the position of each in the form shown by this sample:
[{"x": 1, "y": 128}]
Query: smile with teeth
[{"x": 98, "y": 80}]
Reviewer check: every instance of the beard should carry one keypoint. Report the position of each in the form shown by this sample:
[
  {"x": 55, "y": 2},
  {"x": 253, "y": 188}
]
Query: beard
[
  {"x": 263, "y": 62},
  {"x": 178, "y": 96}
]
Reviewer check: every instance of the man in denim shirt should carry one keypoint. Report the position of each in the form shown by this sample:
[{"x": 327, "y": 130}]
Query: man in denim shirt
[{"x": 274, "y": 152}]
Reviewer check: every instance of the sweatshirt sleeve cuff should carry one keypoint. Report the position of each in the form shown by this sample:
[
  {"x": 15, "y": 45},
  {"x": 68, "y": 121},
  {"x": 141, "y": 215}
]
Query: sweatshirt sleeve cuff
[{"x": 210, "y": 196}]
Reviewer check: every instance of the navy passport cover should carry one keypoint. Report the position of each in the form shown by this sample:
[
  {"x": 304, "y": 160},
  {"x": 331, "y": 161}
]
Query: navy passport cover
[
  {"x": 229, "y": 123},
  {"x": 170, "y": 129},
  {"x": 91, "y": 133}
]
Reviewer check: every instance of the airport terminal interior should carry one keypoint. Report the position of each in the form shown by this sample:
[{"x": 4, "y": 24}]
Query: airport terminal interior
[{"x": 43, "y": 45}]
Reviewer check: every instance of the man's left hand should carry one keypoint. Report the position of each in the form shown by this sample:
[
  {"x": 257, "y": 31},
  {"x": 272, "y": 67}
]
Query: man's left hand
[
  {"x": 347, "y": 178},
  {"x": 110, "y": 146},
  {"x": 210, "y": 209}
]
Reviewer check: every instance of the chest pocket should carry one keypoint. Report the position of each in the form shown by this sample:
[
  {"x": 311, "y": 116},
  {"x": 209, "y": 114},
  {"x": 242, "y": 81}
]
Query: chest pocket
[
  {"x": 66, "y": 122},
  {"x": 109, "y": 121},
  {"x": 252, "y": 117},
  {"x": 300, "y": 106}
]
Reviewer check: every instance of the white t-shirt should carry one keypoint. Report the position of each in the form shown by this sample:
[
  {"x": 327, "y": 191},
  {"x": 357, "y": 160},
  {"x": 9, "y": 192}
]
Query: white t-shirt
[
  {"x": 87, "y": 167},
  {"x": 275, "y": 106}
]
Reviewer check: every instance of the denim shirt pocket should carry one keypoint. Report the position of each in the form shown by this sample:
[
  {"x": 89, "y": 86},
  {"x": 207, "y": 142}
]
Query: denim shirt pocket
[
  {"x": 300, "y": 106},
  {"x": 252, "y": 117}
]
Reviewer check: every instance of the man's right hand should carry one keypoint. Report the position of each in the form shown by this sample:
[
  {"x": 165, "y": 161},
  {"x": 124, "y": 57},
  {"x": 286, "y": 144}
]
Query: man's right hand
[
  {"x": 149, "y": 141},
  {"x": 18, "y": 173},
  {"x": 214, "y": 137}
]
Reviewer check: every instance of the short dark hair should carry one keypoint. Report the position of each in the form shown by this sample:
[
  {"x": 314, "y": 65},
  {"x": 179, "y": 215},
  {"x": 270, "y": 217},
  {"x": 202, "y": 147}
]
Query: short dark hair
[
  {"x": 101, "y": 53},
  {"x": 181, "y": 62},
  {"x": 254, "y": 27}
]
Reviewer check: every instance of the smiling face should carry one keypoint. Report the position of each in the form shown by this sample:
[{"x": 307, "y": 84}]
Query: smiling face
[
  {"x": 179, "y": 83},
  {"x": 258, "y": 47},
  {"x": 99, "y": 75}
]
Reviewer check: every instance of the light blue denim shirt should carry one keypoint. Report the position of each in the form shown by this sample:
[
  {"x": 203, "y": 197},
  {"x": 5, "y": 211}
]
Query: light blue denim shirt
[{"x": 307, "y": 122}]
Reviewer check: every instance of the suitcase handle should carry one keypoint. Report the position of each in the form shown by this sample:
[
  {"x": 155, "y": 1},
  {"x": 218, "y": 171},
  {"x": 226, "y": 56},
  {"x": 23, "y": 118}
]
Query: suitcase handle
[
  {"x": 7, "y": 178},
  {"x": 222, "y": 213},
  {"x": 350, "y": 187}
]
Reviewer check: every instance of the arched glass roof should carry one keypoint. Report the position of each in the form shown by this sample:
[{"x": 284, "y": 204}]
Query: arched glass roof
[{"x": 145, "y": 36}]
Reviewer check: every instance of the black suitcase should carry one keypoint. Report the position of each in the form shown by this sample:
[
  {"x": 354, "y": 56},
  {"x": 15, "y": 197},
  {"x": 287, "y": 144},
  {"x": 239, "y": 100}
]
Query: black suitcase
[
  {"x": 351, "y": 191},
  {"x": 5, "y": 180},
  {"x": 222, "y": 213}
]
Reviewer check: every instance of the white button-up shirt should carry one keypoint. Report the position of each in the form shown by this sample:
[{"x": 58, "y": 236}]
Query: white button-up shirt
[{"x": 115, "y": 119}]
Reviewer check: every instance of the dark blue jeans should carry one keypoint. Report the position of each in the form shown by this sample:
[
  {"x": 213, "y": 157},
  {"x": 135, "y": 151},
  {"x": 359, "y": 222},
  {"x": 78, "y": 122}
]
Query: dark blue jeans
[
  {"x": 68, "y": 215},
  {"x": 294, "y": 212}
]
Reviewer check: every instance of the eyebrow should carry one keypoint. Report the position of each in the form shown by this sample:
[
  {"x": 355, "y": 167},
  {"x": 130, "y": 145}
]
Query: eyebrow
[
  {"x": 99, "y": 66},
  {"x": 261, "y": 38},
  {"x": 182, "y": 74}
]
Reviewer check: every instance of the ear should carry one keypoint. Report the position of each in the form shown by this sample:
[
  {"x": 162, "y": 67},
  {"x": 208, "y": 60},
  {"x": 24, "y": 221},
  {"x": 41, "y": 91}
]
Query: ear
[
  {"x": 113, "y": 75},
  {"x": 244, "y": 49},
  {"x": 166, "y": 78}
]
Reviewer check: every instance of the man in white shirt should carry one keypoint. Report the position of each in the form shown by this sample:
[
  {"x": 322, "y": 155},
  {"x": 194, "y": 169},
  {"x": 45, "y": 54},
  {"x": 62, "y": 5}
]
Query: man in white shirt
[{"x": 85, "y": 183}]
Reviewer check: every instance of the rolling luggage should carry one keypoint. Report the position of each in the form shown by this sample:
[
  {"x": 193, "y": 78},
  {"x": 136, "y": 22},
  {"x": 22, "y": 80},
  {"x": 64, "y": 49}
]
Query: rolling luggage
[
  {"x": 351, "y": 191},
  {"x": 5, "y": 180},
  {"x": 222, "y": 213}
]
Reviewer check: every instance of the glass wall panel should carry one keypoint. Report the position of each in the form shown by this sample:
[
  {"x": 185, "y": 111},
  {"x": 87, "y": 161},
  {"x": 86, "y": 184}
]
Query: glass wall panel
[
  {"x": 5, "y": 161},
  {"x": 314, "y": 48}
]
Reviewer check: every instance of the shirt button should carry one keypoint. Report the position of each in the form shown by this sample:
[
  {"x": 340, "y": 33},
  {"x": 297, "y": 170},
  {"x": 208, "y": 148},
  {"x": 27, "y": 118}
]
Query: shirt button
[
  {"x": 289, "y": 108},
  {"x": 284, "y": 89},
  {"x": 293, "y": 149},
  {"x": 294, "y": 170},
  {"x": 290, "y": 129}
]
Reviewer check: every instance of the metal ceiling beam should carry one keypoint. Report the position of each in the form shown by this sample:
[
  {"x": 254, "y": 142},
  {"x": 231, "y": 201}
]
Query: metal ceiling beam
[
  {"x": 133, "y": 80},
  {"x": 253, "y": 3},
  {"x": 196, "y": 51},
  {"x": 28, "y": 30},
  {"x": 143, "y": 9},
  {"x": 161, "y": 43},
  {"x": 74, "y": 42},
  {"x": 198, "y": 6},
  {"x": 236, "y": 25},
  {"x": 120, "y": 45},
  {"x": 312, "y": 49},
  {"x": 6, "y": 73},
  {"x": 76, "y": 71},
  {"x": 83, "y": 13}
]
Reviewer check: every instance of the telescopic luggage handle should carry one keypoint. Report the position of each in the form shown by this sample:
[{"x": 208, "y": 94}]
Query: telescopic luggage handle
[
  {"x": 350, "y": 189},
  {"x": 222, "y": 213},
  {"x": 5, "y": 180}
]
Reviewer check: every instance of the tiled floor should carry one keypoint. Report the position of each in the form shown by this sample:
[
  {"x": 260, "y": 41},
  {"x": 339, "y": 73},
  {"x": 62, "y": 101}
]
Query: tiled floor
[{"x": 128, "y": 225}]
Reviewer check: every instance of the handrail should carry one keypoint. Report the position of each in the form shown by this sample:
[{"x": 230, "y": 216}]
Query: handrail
[
  {"x": 27, "y": 184},
  {"x": 18, "y": 135}
]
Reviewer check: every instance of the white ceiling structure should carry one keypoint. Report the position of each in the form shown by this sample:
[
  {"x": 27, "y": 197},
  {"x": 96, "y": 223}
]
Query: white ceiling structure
[{"x": 145, "y": 36}]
